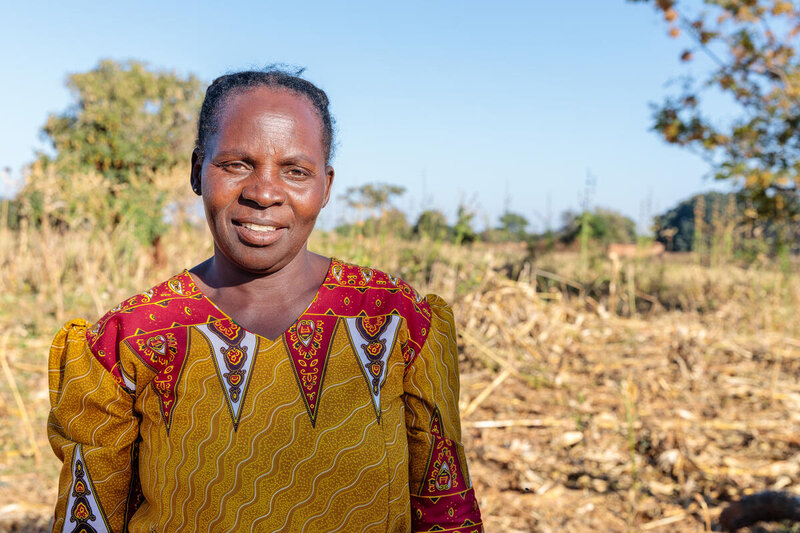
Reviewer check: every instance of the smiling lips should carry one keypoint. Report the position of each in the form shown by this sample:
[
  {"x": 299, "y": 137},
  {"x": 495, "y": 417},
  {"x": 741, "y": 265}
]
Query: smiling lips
[
  {"x": 258, "y": 227},
  {"x": 256, "y": 234}
]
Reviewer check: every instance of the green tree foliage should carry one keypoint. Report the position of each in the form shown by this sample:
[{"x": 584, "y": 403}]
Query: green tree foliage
[
  {"x": 753, "y": 48},
  {"x": 373, "y": 198},
  {"x": 511, "y": 229},
  {"x": 376, "y": 214},
  {"x": 514, "y": 225},
  {"x": 677, "y": 227},
  {"x": 723, "y": 223},
  {"x": 392, "y": 221},
  {"x": 603, "y": 225},
  {"x": 115, "y": 150},
  {"x": 433, "y": 225},
  {"x": 126, "y": 120},
  {"x": 463, "y": 233}
]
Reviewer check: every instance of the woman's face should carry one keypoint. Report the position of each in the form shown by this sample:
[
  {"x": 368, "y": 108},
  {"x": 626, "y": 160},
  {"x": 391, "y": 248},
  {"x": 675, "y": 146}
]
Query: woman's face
[{"x": 264, "y": 178}]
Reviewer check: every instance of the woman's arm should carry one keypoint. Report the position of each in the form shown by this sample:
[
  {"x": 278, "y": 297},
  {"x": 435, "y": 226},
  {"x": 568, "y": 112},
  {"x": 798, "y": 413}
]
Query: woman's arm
[
  {"x": 93, "y": 429},
  {"x": 442, "y": 497}
]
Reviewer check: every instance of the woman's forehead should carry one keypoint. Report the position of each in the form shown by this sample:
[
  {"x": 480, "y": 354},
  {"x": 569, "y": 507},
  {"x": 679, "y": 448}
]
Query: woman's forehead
[
  {"x": 270, "y": 112},
  {"x": 260, "y": 100}
]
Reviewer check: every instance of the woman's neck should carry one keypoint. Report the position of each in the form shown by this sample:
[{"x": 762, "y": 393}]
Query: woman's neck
[
  {"x": 219, "y": 273},
  {"x": 265, "y": 304}
]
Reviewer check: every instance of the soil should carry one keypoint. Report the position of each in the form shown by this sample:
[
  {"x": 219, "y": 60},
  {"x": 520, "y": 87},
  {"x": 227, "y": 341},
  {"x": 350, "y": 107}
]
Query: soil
[{"x": 573, "y": 420}]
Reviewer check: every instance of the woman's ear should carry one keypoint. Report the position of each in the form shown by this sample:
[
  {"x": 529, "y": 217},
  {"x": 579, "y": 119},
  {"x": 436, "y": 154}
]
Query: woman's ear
[
  {"x": 197, "y": 167},
  {"x": 328, "y": 184}
]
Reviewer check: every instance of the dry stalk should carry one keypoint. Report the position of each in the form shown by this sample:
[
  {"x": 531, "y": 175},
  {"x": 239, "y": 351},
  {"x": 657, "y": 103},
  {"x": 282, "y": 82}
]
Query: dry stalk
[
  {"x": 26, "y": 421},
  {"x": 478, "y": 400},
  {"x": 663, "y": 522},
  {"x": 612, "y": 286},
  {"x": 631, "y": 282},
  {"x": 525, "y": 422},
  {"x": 706, "y": 514},
  {"x": 484, "y": 350},
  {"x": 565, "y": 282}
]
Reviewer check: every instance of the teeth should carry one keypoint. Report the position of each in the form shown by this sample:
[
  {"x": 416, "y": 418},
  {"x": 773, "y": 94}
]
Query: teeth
[{"x": 257, "y": 227}]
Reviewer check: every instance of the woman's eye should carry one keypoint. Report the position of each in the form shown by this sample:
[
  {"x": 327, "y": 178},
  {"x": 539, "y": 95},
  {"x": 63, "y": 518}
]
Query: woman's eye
[
  {"x": 297, "y": 173},
  {"x": 234, "y": 166}
]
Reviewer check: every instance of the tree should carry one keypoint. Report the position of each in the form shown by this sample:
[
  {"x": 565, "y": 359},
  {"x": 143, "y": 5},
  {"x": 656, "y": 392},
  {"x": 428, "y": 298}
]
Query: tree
[
  {"x": 392, "y": 221},
  {"x": 513, "y": 224},
  {"x": 462, "y": 231},
  {"x": 127, "y": 129},
  {"x": 126, "y": 120},
  {"x": 677, "y": 227},
  {"x": 603, "y": 225},
  {"x": 432, "y": 224},
  {"x": 726, "y": 222},
  {"x": 752, "y": 46},
  {"x": 375, "y": 199}
]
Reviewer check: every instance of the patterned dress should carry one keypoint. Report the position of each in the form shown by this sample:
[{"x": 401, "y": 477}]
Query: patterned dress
[{"x": 169, "y": 416}]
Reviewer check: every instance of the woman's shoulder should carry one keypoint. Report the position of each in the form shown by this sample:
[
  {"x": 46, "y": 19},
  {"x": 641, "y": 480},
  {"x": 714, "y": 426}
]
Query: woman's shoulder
[
  {"x": 152, "y": 323},
  {"x": 176, "y": 302},
  {"x": 389, "y": 293},
  {"x": 356, "y": 290},
  {"x": 156, "y": 308}
]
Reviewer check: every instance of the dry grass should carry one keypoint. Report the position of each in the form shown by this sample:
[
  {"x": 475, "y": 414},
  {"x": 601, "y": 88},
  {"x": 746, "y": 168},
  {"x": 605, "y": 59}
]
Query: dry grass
[
  {"x": 576, "y": 418},
  {"x": 629, "y": 423}
]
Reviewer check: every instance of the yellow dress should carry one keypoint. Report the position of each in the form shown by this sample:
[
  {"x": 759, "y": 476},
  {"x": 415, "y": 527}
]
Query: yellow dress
[{"x": 168, "y": 416}]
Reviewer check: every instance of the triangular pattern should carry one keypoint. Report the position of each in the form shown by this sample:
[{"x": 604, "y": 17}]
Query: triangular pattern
[
  {"x": 164, "y": 351},
  {"x": 177, "y": 286},
  {"x": 308, "y": 342},
  {"x": 336, "y": 271},
  {"x": 443, "y": 474},
  {"x": 176, "y": 301},
  {"x": 373, "y": 340},
  {"x": 83, "y": 507},
  {"x": 234, "y": 350},
  {"x": 436, "y": 423},
  {"x": 366, "y": 273}
]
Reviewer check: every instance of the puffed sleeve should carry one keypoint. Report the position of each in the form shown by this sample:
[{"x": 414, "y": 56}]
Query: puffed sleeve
[
  {"x": 92, "y": 428},
  {"x": 442, "y": 497}
]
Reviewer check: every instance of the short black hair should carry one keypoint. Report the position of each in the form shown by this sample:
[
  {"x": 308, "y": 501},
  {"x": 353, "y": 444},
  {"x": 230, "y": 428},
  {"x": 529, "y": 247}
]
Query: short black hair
[{"x": 273, "y": 76}]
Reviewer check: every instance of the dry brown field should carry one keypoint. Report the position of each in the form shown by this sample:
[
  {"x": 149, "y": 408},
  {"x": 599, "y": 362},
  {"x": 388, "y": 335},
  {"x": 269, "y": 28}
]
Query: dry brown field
[{"x": 577, "y": 417}]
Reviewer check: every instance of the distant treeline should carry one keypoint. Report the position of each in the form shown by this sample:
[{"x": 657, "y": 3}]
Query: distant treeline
[{"x": 116, "y": 162}]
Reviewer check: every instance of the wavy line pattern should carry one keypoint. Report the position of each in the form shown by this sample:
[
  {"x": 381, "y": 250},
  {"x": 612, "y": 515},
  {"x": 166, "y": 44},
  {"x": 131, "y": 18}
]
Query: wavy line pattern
[
  {"x": 184, "y": 452},
  {"x": 274, "y": 471}
]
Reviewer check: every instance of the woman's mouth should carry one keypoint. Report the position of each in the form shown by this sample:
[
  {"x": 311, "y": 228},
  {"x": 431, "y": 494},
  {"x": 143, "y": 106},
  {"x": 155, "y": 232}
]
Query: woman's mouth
[
  {"x": 258, "y": 227},
  {"x": 254, "y": 234}
]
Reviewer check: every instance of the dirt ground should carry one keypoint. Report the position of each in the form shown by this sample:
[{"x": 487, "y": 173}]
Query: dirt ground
[
  {"x": 598, "y": 423},
  {"x": 574, "y": 420}
]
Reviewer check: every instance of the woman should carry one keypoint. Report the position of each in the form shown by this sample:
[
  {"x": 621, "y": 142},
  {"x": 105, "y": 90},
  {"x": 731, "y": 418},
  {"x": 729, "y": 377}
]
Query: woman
[{"x": 268, "y": 388}]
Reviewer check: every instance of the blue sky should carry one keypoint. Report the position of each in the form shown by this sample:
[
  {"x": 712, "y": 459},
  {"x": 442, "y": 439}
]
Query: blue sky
[{"x": 490, "y": 103}]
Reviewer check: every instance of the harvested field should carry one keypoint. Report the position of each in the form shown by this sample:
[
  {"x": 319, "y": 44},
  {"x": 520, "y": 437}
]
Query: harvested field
[
  {"x": 578, "y": 422},
  {"x": 575, "y": 418}
]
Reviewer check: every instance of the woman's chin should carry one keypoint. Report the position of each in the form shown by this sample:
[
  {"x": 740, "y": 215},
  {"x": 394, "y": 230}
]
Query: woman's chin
[{"x": 258, "y": 260}]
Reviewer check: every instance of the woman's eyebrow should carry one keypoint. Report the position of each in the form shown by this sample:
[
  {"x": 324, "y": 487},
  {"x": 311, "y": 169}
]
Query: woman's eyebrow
[
  {"x": 232, "y": 153},
  {"x": 299, "y": 158},
  {"x": 240, "y": 154}
]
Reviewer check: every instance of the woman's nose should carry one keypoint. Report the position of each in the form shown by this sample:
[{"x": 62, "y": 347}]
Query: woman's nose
[{"x": 264, "y": 188}]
